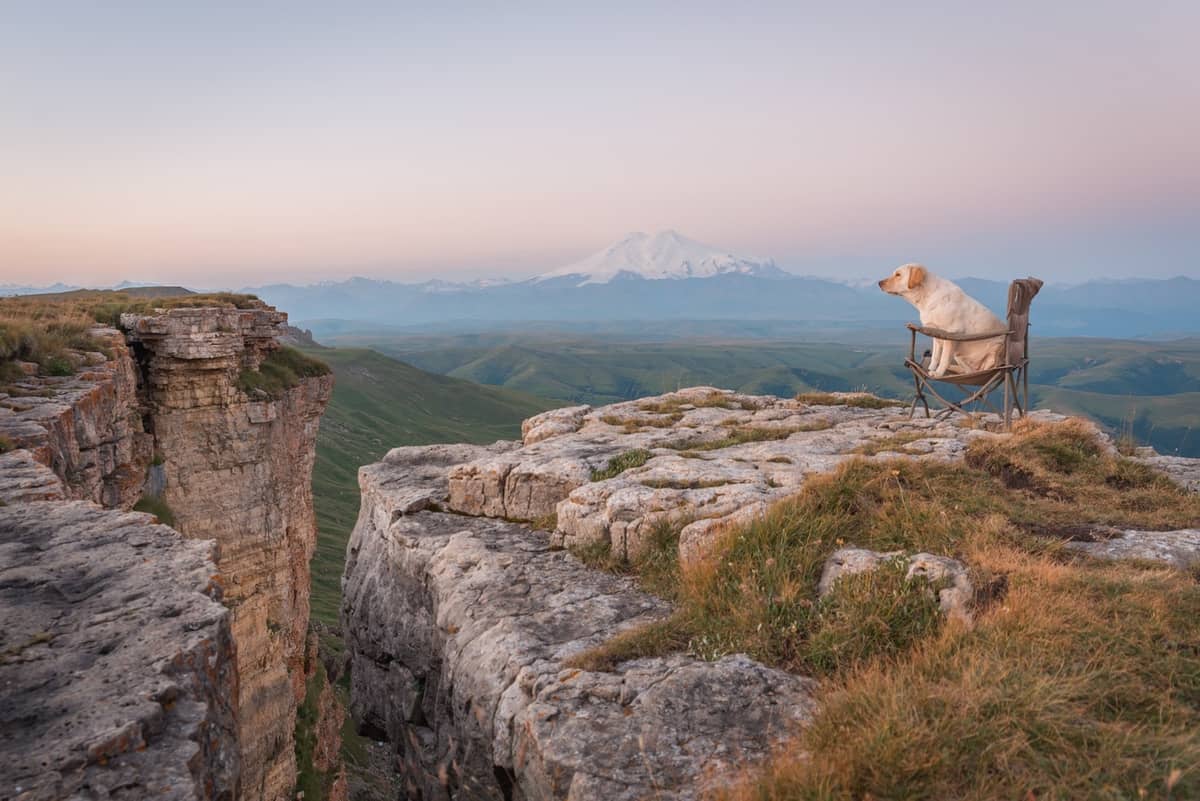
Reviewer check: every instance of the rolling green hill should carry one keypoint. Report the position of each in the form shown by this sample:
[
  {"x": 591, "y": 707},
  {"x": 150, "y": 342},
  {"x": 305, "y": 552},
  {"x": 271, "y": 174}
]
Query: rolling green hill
[
  {"x": 379, "y": 403},
  {"x": 1149, "y": 389}
]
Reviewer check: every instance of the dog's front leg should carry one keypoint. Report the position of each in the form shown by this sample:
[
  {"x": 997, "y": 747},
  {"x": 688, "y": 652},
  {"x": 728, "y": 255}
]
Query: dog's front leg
[
  {"x": 935, "y": 354},
  {"x": 946, "y": 358}
]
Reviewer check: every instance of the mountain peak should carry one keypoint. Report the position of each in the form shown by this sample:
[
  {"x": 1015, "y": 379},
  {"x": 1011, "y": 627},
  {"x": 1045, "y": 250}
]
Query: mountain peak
[{"x": 664, "y": 255}]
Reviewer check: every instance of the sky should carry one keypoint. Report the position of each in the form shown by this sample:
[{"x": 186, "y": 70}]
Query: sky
[{"x": 232, "y": 144}]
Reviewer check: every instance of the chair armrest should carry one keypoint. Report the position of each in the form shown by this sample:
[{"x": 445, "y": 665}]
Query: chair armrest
[{"x": 954, "y": 336}]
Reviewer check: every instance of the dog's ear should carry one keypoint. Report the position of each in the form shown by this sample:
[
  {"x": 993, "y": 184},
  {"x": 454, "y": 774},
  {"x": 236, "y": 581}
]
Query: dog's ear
[{"x": 916, "y": 274}]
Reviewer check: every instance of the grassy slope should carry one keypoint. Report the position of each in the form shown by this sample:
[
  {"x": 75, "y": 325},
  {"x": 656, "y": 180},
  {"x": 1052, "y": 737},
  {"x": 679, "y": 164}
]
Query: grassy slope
[
  {"x": 380, "y": 403},
  {"x": 1147, "y": 386},
  {"x": 1080, "y": 679}
]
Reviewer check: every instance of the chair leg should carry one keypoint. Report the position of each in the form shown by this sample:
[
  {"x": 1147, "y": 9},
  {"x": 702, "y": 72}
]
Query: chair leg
[
  {"x": 1025, "y": 380},
  {"x": 1008, "y": 404},
  {"x": 918, "y": 396}
]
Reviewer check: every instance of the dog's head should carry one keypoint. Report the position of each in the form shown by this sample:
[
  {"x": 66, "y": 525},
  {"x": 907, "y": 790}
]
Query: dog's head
[{"x": 904, "y": 280}]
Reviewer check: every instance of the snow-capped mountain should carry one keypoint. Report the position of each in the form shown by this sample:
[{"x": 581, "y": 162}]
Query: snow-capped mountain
[{"x": 667, "y": 254}]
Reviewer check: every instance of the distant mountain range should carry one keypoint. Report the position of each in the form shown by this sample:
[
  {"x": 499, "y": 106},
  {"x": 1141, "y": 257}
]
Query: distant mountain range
[{"x": 666, "y": 279}]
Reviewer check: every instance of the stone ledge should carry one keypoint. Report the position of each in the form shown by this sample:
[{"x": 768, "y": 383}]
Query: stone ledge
[{"x": 116, "y": 659}]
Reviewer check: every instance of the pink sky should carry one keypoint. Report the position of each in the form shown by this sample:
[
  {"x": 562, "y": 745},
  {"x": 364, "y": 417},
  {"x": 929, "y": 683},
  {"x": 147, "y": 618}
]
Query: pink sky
[{"x": 227, "y": 148}]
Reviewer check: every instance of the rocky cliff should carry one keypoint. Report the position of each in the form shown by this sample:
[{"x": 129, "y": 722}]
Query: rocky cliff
[
  {"x": 86, "y": 427},
  {"x": 462, "y": 620},
  {"x": 237, "y": 469},
  {"x": 175, "y": 410},
  {"x": 458, "y": 628}
]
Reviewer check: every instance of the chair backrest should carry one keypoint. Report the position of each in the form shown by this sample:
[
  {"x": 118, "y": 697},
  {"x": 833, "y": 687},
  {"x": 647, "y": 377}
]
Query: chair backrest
[{"x": 1020, "y": 295}]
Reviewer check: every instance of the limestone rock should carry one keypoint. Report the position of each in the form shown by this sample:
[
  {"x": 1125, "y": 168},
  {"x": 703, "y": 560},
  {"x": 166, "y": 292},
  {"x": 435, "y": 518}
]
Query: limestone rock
[
  {"x": 954, "y": 599},
  {"x": 23, "y": 479},
  {"x": 238, "y": 470},
  {"x": 458, "y": 628},
  {"x": 1177, "y": 548},
  {"x": 86, "y": 427},
  {"x": 1182, "y": 470},
  {"x": 716, "y": 459},
  {"x": 552, "y": 423},
  {"x": 848, "y": 562},
  {"x": 116, "y": 659}
]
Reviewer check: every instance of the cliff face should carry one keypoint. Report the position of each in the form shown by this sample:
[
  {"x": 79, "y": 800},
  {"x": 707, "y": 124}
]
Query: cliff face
[
  {"x": 458, "y": 628},
  {"x": 238, "y": 470},
  {"x": 164, "y": 413},
  {"x": 87, "y": 427}
]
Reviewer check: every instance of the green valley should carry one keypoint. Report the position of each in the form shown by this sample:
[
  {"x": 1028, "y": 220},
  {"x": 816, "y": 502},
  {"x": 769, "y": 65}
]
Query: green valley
[{"x": 378, "y": 404}]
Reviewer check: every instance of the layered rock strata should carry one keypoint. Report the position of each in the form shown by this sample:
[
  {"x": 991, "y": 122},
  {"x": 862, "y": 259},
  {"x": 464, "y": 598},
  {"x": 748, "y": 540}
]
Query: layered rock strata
[
  {"x": 116, "y": 658},
  {"x": 237, "y": 469},
  {"x": 85, "y": 427},
  {"x": 162, "y": 412},
  {"x": 458, "y": 629}
]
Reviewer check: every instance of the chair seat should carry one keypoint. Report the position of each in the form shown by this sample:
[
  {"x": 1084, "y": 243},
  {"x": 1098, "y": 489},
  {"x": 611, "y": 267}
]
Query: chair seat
[{"x": 975, "y": 379}]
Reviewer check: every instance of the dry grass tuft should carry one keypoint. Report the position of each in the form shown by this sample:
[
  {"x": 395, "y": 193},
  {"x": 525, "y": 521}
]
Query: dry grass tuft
[
  {"x": 635, "y": 423},
  {"x": 716, "y": 400},
  {"x": 1060, "y": 476},
  {"x": 682, "y": 484},
  {"x": 893, "y": 444},
  {"x": 740, "y": 435},
  {"x": 863, "y": 401},
  {"x": 45, "y": 328}
]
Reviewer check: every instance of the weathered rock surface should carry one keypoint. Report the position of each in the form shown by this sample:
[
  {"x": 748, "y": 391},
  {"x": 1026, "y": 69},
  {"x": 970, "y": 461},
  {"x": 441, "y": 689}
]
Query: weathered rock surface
[
  {"x": 237, "y": 470},
  {"x": 86, "y": 428},
  {"x": 116, "y": 659},
  {"x": 1178, "y": 548},
  {"x": 686, "y": 478},
  {"x": 23, "y": 479},
  {"x": 1184, "y": 471},
  {"x": 458, "y": 628},
  {"x": 954, "y": 598}
]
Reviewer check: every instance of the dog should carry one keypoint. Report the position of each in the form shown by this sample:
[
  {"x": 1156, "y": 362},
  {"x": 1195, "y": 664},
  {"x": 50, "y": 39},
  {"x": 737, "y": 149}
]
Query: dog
[{"x": 942, "y": 304}]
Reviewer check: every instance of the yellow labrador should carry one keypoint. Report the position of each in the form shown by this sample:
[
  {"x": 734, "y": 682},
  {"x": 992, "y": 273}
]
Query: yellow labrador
[{"x": 944, "y": 305}]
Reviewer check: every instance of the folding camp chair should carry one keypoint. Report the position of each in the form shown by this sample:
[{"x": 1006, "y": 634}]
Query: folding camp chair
[{"x": 976, "y": 387}]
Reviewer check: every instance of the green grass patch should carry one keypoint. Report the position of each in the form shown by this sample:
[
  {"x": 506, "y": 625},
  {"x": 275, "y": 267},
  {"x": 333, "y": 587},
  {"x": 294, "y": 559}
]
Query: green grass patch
[
  {"x": 622, "y": 462},
  {"x": 6, "y": 443},
  {"x": 877, "y": 613},
  {"x": 283, "y": 369},
  {"x": 156, "y": 506},
  {"x": 312, "y": 783}
]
